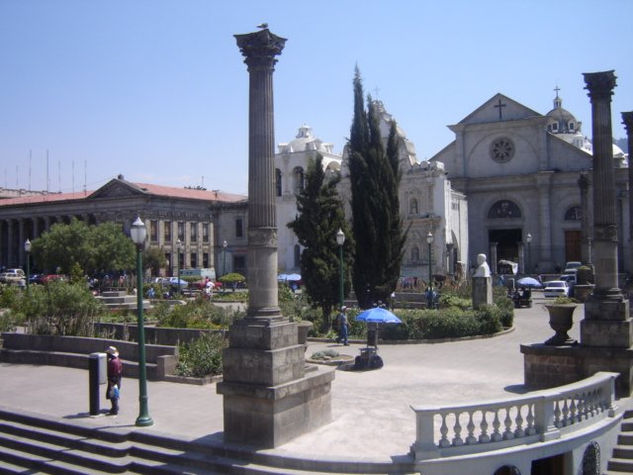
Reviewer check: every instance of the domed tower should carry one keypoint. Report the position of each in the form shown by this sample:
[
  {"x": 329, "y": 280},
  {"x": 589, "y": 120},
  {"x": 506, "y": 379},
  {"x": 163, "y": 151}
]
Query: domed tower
[{"x": 563, "y": 124}]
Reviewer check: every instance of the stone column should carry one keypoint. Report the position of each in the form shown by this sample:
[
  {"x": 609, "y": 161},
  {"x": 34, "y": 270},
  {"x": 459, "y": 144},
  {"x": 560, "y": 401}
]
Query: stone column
[
  {"x": 605, "y": 236},
  {"x": 268, "y": 396},
  {"x": 493, "y": 258},
  {"x": 544, "y": 186},
  {"x": 627, "y": 120},
  {"x": 585, "y": 231},
  {"x": 522, "y": 263},
  {"x": 606, "y": 332}
]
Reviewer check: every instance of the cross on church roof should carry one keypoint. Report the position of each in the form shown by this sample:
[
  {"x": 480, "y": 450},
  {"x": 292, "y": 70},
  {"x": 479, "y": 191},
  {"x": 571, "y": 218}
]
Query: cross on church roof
[
  {"x": 499, "y": 106},
  {"x": 557, "y": 89}
]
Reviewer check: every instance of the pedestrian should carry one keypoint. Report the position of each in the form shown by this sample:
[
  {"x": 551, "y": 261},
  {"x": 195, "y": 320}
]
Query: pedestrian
[
  {"x": 343, "y": 326},
  {"x": 115, "y": 371}
]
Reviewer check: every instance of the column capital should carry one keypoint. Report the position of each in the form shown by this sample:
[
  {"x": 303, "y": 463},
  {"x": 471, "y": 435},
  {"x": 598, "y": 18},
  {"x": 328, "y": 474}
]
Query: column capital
[
  {"x": 627, "y": 120},
  {"x": 600, "y": 84},
  {"x": 260, "y": 49}
]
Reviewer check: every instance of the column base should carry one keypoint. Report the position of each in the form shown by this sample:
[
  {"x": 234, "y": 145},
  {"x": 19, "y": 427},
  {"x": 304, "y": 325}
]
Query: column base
[{"x": 269, "y": 416}]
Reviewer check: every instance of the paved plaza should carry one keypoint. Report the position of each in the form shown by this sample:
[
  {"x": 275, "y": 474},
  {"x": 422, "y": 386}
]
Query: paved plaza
[{"x": 372, "y": 418}]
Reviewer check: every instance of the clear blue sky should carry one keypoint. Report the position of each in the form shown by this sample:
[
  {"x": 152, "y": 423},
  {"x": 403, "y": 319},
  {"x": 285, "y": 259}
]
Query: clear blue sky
[{"x": 157, "y": 90}]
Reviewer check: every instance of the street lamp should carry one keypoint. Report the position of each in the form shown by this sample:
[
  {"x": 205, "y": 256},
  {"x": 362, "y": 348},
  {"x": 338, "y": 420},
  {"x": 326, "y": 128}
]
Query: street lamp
[
  {"x": 528, "y": 238},
  {"x": 27, "y": 249},
  {"x": 429, "y": 296},
  {"x": 340, "y": 240},
  {"x": 138, "y": 233},
  {"x": 224, "y": 246},
  {"x": 179, "y": 246}
]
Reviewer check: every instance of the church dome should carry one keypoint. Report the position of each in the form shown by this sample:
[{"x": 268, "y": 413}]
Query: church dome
[
  {"x": 561, "y": 121},
  {"x": 305, "y": 141}
]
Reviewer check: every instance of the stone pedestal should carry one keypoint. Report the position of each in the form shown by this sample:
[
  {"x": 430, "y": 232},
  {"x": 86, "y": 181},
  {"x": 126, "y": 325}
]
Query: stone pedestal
[
  {"x": 268, "y": 398},
  {"x": 482, "y": 291}
]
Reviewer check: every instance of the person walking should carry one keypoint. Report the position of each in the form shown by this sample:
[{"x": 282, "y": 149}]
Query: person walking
[
  {"x": 115, "y": 372},
  {"x": 343, "y": 326}
]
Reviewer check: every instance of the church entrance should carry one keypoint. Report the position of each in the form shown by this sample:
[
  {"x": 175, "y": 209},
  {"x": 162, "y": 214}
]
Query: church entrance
[
  {"x": 572, "y": 246},
  {"x": 507, "y": 243}
]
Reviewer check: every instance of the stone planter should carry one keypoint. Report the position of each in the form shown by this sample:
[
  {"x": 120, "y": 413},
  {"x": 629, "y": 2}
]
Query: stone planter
[
  {"x": 303, "y": 327},
  {"x": 561, "y": 320}
]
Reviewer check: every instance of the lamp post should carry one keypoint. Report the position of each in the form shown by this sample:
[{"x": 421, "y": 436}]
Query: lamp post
[
  {"x": 528, "y": 238},
  {"x": 429, "y": 295},
  {"x": 27, "y": 249},
  {"x": 224, "y": 246},
  {"x": 340, "y": 240},
  {"x": 138, "y": 232},
  {"x": 179, "y": 246}
]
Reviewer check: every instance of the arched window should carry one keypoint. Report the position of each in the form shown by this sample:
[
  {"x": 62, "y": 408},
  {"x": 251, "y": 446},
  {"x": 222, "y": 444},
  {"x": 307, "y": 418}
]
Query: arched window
[
  {"x": 297, "y": 255},
  {"x": 278, "y": 181},
  {"x": 415, "y": 254},
  {"x": 573, "y": 214},
  {"x": 413, "y": 206},
  {"x": 299, "y": 179},
  {"x": 504, "y": 209}
]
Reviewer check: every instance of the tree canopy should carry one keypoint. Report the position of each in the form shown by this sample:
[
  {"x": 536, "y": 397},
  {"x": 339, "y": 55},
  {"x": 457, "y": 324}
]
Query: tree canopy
[
  {"x": 100, "y": 248},
  {"x": 374, "y": 179},
  {"x": 320, "y": 216}
]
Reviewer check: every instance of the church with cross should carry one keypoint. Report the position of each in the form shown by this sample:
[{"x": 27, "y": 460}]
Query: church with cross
[{"x": 527, "y": 179}]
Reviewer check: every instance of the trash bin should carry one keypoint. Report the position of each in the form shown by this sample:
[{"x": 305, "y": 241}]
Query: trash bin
[{"x": 97, "y": 375}]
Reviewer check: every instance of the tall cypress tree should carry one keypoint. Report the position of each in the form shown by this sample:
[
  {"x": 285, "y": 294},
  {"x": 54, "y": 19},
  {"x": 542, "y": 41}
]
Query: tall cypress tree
[
  {"x": 375, "y": 178},
  {"x": 320, "y": 216}
]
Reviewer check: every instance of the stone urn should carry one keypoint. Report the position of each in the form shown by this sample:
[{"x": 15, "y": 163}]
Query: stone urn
[
  {"x": 561, "y": 320},
  {"x": 303, "y": 327}
]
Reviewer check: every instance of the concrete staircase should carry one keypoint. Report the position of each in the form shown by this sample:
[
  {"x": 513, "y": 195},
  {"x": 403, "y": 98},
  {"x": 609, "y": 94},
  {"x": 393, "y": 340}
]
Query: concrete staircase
[
  {"x": 622, "y": 458},
  {"x": 120, "y": 299},
  {"x": 31, "y": 443}
]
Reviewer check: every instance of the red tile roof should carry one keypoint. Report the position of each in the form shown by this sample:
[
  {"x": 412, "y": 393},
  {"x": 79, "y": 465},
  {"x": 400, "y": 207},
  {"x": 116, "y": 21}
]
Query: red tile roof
[{"x": 158, "y": 190}]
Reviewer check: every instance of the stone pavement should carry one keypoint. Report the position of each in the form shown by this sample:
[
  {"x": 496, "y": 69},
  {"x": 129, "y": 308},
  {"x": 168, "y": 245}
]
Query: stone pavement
[{"x": 372, "y": 418}]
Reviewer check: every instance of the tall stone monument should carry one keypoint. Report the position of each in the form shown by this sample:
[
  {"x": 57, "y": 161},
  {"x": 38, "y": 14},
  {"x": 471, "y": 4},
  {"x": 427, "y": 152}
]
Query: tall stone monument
[
  {"x": 627, "y": 120},
  {"x": 606, "y": 332},
  {"x": 269, "y": 396},
  {"x": 482, "y": 283}
]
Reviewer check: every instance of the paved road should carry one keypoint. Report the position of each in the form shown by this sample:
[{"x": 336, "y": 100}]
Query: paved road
[{"x": 371, "y": 410}]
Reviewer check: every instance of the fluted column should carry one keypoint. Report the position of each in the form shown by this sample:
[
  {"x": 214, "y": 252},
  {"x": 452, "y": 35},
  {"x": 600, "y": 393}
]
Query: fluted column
[
  {"x": 627, "y": 120},
  {"x": 605, "y": 237},
  {"x": 260, "y": 49},
  {"x": 585, "y": 222}
]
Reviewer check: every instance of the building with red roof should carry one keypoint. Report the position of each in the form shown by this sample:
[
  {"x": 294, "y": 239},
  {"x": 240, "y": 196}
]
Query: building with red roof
[{"x": 190, "y": 225}]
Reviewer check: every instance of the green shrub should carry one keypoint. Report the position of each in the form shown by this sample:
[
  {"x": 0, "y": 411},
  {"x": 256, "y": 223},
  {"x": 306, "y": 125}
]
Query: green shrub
[
  {"x": 59, "y": 308},
  {"x": 201, "y": 357},
  {"x": 231, "y": 278},
  {"x": 9, "y": 295},
  {"x": 450, "y": 299},
  {"x": 198, "y": 313},
  {"x": 506, "y": 310}
]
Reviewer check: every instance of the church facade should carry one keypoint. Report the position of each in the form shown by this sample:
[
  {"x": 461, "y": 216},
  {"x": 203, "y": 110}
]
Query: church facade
[
  {"x": 527, "y": 177},
  {"x": 428, "y": 204}
]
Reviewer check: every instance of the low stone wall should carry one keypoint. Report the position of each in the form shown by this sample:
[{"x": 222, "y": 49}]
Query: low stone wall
[
  {"x": 74, "y": 352},
  {"x": 154, "y": 335}
]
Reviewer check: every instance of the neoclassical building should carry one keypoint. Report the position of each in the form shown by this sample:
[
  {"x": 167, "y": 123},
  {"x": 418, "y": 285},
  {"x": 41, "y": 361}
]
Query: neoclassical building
[
  {"x": 189, "y": 225},
  {"x": 527, "y": 177}
]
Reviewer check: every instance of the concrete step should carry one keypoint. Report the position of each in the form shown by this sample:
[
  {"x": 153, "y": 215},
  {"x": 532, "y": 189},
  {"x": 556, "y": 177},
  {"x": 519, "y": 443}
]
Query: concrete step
[
  {"x": 623, "y": 452},
  {"x": 620, "y": 465}
]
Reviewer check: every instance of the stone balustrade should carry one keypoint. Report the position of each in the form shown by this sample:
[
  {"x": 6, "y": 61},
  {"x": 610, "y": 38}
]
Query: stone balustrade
[{"x": 540, "y": 416}]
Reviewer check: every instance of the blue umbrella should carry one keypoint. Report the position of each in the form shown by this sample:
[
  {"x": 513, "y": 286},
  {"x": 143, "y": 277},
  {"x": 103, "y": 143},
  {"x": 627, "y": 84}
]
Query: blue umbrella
[
  {"x": 377, "y": 315},
  {"x": 293, "y": 277},
  {"x": 529, "y": 282},
  {"x": 282, "y": 277}
]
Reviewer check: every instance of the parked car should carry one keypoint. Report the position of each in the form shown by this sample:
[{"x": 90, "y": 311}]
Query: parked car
[
  {"x": 171, "y": 281},
  {"x": 556, "y": 288},
  {"x": 51, "y": 277},
  {"x": 569, "y": 278},
  {"x": 12, "y": 276},
  {"x": 572, "y": 267}
]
